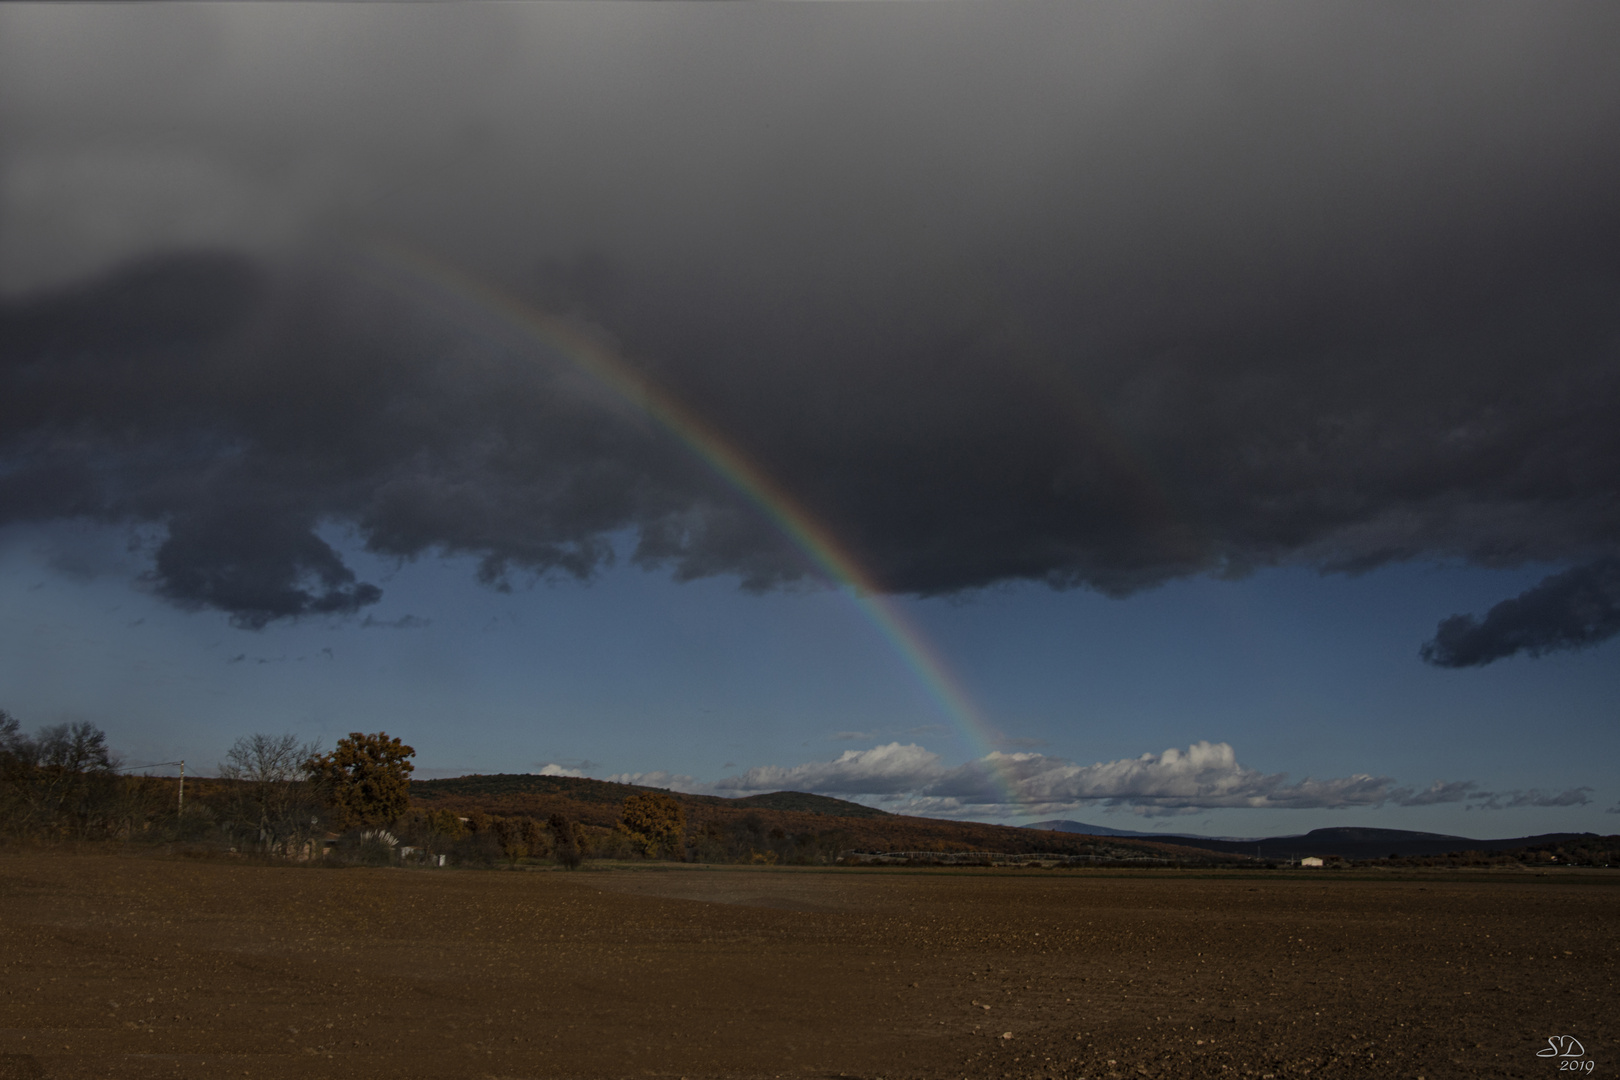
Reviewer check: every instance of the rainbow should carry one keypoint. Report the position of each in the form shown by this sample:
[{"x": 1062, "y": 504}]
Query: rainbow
[{"x": 591, "y": 357}]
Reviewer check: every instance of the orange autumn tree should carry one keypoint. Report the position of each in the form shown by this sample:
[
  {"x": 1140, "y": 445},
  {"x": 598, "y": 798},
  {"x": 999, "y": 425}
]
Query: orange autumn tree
[
  {"x": 655, "y": 823},
  {"x": 367, "y": 779}
]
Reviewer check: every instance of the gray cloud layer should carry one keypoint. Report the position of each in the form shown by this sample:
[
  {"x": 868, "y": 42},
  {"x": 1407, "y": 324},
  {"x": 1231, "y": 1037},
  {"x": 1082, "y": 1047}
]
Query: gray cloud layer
[{"x": 1092, "y": 296}]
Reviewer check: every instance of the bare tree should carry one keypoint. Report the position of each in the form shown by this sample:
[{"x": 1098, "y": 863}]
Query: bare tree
[
  {"x": 9, "y": 733},
  {"x": 275, "y": 796},
  {"x": 61, "y": 780},
  {"x": 74, "y": 749},
  {"x": 15, "y": 772}
]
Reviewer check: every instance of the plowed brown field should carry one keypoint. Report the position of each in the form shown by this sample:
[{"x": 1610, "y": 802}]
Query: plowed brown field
[{"x": 144, "y": 967}]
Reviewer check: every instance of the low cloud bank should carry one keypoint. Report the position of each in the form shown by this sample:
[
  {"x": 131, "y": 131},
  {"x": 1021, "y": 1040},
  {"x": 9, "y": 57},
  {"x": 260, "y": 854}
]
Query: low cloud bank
[
  {"x": 1512, "y": 800},
  {"x": 1205, "y": 776}
]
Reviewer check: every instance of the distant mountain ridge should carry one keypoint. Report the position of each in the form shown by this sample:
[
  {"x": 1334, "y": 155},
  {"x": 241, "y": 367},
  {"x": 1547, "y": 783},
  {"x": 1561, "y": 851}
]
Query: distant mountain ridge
[
  {"x": 1353, "y": 843},
  {"x": 1348, "y": 842}
]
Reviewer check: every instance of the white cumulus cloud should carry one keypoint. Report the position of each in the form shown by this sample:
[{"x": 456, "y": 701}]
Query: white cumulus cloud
[
  {"x": 893, "y": 769},
  {"x": 662, "y": 778},
  {"x": 1205, "y": 775}
]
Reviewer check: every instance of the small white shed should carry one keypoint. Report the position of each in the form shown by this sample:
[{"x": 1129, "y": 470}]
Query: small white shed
[{"x": 1310, "y": 860}]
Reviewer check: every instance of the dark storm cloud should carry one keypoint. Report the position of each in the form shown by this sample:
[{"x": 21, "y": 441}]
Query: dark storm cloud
[
  {"x": 253, "y": 563},
  {"x": 1573, "y": 610},
  {"x": 1089, "y": 296},
  {"x": 243, "y": 410}
]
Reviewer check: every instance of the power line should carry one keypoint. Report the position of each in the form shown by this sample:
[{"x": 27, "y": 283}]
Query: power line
[{"x": 180, "y": 802}]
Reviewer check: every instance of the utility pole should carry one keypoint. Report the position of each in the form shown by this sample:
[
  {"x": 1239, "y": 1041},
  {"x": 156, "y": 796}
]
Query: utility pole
[{"x": 180, "y": 803}]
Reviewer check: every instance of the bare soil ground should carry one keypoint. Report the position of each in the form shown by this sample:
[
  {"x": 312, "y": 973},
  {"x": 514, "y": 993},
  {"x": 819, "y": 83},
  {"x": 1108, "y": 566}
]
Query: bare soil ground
[{"x": 144, "y": 967}]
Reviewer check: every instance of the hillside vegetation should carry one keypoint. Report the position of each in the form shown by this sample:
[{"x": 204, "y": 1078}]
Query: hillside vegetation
[
  {"x": 783, "y": 826},
  {"x": 501, "y": 788}
]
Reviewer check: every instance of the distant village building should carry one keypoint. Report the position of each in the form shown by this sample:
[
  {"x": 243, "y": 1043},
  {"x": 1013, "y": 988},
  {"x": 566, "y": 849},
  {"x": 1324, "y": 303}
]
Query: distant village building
[{"x": 1310, "y": 860}]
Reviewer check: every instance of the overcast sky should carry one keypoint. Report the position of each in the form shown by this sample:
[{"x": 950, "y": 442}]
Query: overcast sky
[{"x": 1227, "y": 397}]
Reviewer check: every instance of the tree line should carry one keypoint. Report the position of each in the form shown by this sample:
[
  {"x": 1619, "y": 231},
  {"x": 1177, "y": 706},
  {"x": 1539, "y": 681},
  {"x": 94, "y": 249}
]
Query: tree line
[
  {"x": 277, "y": 796},
  {"x": 62, "y": 781}
]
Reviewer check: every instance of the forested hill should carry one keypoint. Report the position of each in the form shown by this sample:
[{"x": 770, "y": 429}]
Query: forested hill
[
  {"x": 504, "y": 786},
  {"x": 499, "y": 786},
  {"x": 781, "y": 816}
]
